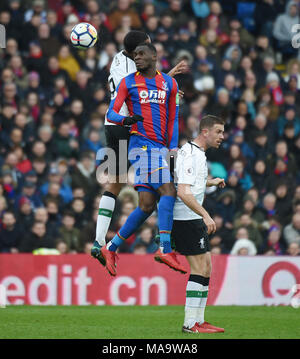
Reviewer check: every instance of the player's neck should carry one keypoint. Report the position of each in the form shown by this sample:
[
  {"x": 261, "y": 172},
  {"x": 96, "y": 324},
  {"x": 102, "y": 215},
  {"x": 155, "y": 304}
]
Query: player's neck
[
  {"x": 149, "y": 73},
  {"x": 201, "y": 143}
]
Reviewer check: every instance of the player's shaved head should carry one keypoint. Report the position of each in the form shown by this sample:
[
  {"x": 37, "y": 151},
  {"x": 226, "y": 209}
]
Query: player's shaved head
[{"x": 133, "y": 39}]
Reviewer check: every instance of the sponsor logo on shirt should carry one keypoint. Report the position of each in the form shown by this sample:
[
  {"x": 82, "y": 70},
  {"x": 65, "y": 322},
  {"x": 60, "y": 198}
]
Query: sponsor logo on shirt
[{"x": 153, "y": 96}]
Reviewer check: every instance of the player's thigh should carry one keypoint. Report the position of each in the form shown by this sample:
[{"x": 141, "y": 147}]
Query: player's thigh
[{"x": 197, "y": 264}]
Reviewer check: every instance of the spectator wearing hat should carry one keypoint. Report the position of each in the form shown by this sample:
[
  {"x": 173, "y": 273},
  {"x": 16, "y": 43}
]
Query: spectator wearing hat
[
  {"x": 282, "y": 29},
  {"x": 243, "y": 245},
  {"x": 25, "y": 214},
  {"x": 10, "y": 233},
  {"x": 29, "y": 190}
]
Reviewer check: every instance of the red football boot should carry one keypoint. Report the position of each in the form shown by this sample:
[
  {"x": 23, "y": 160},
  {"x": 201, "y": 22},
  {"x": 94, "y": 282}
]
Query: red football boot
[
  {"x": 110, "y": 260},
  {"x": 210, "y": 326},
  {"x": 197, "y": 329},
  {"x": 170, "y": 260}
]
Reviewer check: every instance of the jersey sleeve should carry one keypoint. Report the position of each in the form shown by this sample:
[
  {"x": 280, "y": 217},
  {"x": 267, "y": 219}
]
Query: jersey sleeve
[
  {"x": 186, "y": 167},
  {"x": 116, "y": 104},
  {"x": 172, "y": 126}
]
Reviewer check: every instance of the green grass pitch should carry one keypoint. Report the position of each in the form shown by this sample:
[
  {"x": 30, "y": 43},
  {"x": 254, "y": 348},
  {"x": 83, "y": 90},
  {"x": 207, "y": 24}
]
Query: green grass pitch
[{"x": 139, "y": 322}]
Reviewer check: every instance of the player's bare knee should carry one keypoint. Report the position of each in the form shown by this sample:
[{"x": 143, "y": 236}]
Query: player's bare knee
[
  {"x": 147, "y": 207},
  {"x": 168, "y": 189}
]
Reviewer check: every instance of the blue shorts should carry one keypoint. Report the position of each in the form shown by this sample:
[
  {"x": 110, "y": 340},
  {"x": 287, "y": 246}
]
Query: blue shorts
[{"x": 149, "y": 161}]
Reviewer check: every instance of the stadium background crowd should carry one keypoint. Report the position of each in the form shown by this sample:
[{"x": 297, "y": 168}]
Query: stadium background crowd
[{"x": 242, "y": 67}]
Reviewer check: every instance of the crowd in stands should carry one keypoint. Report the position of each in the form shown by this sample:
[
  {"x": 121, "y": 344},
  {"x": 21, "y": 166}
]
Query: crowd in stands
[{"x": 242, "y": 66}]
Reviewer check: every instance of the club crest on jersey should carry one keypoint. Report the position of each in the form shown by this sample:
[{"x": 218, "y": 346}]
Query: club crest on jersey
[
  {"x": 165, "y": 86},
  {"x": 154, "y": 96}
]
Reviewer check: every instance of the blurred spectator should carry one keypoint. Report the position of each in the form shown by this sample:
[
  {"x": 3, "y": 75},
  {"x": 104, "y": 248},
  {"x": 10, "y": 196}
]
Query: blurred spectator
[
  {"x": 145, "y": 238},
  {"x": 291, "y": 232},
  {"x": 293, "y": 249},
  {"x": 124, "y": 8},
  {"x": 282, "y": 28},
  {"x": 243, "y": 246},
  {"x": 273, "y": 241},
  {"x": 68, "y": 233},
  {"x": 36, "y": 238},
  {"x": 10, "y": 233}
]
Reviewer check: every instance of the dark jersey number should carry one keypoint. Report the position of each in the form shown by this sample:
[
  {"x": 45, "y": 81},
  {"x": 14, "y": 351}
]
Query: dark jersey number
[{"x": 112, "y": 87}]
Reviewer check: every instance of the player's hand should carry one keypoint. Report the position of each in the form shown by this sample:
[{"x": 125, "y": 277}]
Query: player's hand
[
  {"x": 210, "y": 224},
  {"x": 181, "y": 93},
  {"x": 130, "y": 120},
  {"x": 219, "y": 182},
  {"x": 180, "y": 68}
]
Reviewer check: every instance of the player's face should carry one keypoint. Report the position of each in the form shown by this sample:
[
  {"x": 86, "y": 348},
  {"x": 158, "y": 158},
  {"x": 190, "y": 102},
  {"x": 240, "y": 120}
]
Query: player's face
[
  {"x": 215, "y": 136},
  {"x": 143, "y": 58}
]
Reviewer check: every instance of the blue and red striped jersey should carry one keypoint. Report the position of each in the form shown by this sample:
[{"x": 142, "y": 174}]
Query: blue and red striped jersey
[{"x": 155, "y": 99}]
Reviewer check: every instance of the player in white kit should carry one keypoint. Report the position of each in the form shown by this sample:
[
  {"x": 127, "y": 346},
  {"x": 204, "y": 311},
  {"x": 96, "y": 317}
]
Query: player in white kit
[
  {"x": 121, "y": 66},
  {"x": 192, "y": 224}
]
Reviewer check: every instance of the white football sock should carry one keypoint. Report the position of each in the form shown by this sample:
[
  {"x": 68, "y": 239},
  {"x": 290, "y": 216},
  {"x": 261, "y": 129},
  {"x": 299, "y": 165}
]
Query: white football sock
[{"x": 106, "y": 208}]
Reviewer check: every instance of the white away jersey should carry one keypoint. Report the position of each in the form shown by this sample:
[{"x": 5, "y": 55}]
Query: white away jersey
[
  {"x": 121, "y": 67},
  {"x": 191, "y": 168}
]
